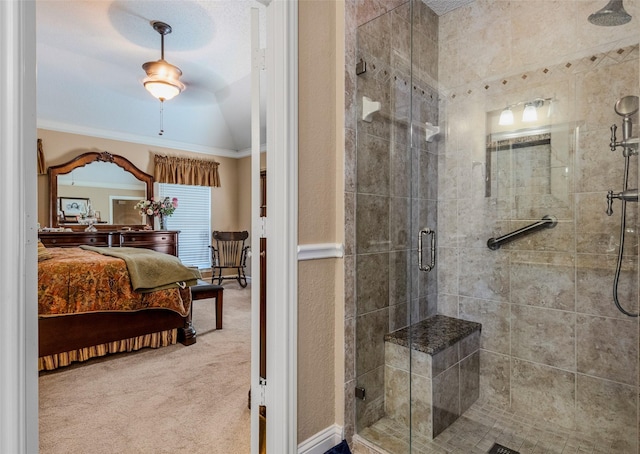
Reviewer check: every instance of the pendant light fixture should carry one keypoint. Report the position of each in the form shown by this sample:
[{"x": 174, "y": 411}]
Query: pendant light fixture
[{"x": 163, "y": 78}]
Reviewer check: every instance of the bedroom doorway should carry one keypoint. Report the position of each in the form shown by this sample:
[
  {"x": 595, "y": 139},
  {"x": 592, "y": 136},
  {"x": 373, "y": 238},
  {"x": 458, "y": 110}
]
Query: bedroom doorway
[{"x": 22, "y": 433}]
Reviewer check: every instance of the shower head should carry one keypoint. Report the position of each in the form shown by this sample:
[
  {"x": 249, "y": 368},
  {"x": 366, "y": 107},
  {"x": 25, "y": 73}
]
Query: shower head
[
  {"x": 626, "y": 106},
  {"x": 611, "y": 15}
]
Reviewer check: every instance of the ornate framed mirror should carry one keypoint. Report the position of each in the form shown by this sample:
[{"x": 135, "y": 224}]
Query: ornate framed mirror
[{"x": 108, "y": 185}]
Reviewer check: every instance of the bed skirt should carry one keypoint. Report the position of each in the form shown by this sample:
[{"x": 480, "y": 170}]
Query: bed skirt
[{"x": 153, "y": 340}]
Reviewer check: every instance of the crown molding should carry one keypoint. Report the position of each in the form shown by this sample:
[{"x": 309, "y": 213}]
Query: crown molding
[{"x": 134, "y": 138}]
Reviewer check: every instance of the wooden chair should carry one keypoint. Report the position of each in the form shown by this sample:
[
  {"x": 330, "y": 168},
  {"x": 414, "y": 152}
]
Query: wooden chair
[{"x": 228, "y": 251}]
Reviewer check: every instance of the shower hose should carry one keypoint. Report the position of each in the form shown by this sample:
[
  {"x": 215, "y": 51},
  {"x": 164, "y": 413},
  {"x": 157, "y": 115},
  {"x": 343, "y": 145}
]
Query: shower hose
[{"x": 623, "y": 229}]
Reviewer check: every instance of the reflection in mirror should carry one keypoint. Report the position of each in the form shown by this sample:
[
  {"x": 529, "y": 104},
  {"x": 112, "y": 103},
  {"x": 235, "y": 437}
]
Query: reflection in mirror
[
  {"x": 99, "y": 187},
  {"x": 106, "y": 186},
  {"x": 123, "y": 210},
  {"x": 529, "y": 170}
]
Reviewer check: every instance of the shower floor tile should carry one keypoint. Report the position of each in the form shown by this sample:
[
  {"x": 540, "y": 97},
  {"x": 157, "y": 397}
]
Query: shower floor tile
[{"x": 475, "y": 432}]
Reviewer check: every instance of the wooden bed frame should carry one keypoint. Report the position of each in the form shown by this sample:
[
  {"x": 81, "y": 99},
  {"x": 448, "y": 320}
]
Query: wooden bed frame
[
  {"x": 65, "y": 333},
  {"x": 75, "y": 331}
]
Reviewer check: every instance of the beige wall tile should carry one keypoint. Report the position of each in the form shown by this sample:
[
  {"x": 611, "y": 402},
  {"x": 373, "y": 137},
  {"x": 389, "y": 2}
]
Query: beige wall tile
[
  {"x": 448, "y": 270},
  {"x": 396, "y": 394},
  {"x": 608, "y": 348},
  {"x": 373, "y": 165},
  {"x": 546, "y": 393},
  {"x": 372, "y": 282},
  {"x": 421, "y": 364},
  {"x": 597, "y": 233},
  {"x": 446, "y": 399},
  {"x": 350, "y": 349},
  {"x": 484, "y": 274},
  {"x": 604, "y": 407},
  {"x": 372, "y": 221},
  {"x": 370, "y": 331},
  {"x": 495, "y": 318},
  {"x": 595, "y": 278},
  {"x": 598, "y": 91},
  {"x": 444, "y": 359},
  {"x": 495, "y": 379},
  {"x": 396, "y": 356},
  {"x": 448, "y": 305},
  {"x": 544, "y": 336},
  {"x": 593, "y": 173},
  {"x": 372, "y": 408},
  {"x": 554, "y": 23},
  {"x": 421, "y": 411},
  {"x": 469, "y": 381},
  {"x": 543, "y": 285}
]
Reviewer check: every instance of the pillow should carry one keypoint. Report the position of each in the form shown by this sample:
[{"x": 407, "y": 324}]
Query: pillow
[{"x": 43, "y": 254}]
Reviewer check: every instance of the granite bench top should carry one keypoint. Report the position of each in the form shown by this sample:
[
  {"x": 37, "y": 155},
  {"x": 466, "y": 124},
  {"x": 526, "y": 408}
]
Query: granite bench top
[{"x": 433, "y": 334}]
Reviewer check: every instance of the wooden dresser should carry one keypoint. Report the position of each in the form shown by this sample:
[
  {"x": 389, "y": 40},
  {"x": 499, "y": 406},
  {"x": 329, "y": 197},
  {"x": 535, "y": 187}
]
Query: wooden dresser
[{"x": 161, "y": 241}]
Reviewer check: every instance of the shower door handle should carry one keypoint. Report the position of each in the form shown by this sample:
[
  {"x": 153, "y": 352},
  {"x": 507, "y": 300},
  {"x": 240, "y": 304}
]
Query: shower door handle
[{"x": 421, "y": 234}]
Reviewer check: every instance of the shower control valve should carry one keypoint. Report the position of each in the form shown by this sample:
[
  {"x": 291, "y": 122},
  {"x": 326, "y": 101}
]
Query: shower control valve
[
  {"x": 628, "y": 195},
  {"x": 630, "y": 145},
  {"x": 610, "y": 203}
]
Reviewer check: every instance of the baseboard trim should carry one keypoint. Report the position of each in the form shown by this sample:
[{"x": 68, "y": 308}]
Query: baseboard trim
[
  {"x": 322, "y": 441},
  {"x": 320, "y": 251}
]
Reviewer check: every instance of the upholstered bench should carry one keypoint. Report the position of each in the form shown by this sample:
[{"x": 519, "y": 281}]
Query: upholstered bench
[{"x": 203, "y": 290}]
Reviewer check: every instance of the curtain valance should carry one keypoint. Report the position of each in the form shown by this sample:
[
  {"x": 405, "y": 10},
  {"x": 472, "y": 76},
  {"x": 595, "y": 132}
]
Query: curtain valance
[
  {"x": 42, "y": 168},
  {"x": 178, "y": 170}
]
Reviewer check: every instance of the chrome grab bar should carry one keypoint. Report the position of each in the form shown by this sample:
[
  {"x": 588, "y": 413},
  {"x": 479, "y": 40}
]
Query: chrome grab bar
[
  {"x": 427, "y": 231},
  {"x": 548, "y": 222}
]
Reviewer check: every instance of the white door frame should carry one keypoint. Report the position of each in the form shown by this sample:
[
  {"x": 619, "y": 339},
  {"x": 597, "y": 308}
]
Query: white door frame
[
  {"x": 281, "y": 231},
  {"x": 282, "y": 226},
  {"x": 256, "y": 229},
  {"x": 18, "y": 227}
]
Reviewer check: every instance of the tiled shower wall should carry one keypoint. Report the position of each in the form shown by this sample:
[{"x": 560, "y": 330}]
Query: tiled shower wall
[{"x": 553, "y": 345}]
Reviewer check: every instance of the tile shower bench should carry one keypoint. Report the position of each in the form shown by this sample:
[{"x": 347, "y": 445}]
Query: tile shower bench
[{"x": 445, "y": 372}]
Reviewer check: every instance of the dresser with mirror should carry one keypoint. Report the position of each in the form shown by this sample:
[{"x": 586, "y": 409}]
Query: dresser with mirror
[{"x": 101, "y": 189}]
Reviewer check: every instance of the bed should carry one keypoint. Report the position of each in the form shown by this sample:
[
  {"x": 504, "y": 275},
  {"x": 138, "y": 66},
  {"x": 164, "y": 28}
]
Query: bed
[{"x": 92, "y": 303}]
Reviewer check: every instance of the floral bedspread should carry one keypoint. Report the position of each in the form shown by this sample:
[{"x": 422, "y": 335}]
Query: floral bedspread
[{"x": 75, "y": 280}]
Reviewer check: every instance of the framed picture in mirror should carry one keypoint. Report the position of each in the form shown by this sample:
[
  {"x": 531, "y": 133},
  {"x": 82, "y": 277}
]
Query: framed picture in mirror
[{"x": 73, "y": 206}]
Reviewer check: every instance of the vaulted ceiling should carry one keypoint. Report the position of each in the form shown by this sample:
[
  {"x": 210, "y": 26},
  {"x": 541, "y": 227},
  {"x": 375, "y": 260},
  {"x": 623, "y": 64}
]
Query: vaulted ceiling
[{"x": 89, "y": 71}]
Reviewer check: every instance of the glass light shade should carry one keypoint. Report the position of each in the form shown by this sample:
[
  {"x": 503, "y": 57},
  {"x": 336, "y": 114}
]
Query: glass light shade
[
  {"x": 163, "y": 79},
  {"x": 162, "y": 90},
  {"x": 506, "y": 117},
  {"x": 530, "y": 113}
]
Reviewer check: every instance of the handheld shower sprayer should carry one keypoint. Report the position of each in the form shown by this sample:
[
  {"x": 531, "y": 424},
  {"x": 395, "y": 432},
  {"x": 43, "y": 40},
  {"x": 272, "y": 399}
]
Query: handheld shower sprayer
[{"x": 626, "y": 107}]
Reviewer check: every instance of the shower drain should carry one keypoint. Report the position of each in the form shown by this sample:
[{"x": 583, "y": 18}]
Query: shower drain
[{"x": 499, "y": 449}]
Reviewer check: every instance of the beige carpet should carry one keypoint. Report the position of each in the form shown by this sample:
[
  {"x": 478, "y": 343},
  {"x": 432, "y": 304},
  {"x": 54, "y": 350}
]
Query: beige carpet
[{"x": 173, "y": 399}]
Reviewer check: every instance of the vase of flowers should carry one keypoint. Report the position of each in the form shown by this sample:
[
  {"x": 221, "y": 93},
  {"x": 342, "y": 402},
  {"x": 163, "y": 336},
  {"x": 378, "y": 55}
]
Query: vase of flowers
[{"x": 158, "y": 208}]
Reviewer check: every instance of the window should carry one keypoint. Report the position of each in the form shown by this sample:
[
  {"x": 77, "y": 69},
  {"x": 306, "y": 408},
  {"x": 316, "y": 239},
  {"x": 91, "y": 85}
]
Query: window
[{"x": 193, "y": 219}]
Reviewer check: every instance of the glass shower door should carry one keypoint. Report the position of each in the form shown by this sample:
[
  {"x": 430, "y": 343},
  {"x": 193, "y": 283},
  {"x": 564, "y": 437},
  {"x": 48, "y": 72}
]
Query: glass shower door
[{"x": 396, "y": 195}]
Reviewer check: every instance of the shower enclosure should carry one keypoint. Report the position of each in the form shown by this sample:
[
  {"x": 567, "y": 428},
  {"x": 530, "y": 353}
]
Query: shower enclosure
[
  {"x": 396, "y": 198},
  {"x": 473, "y": 124}
]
